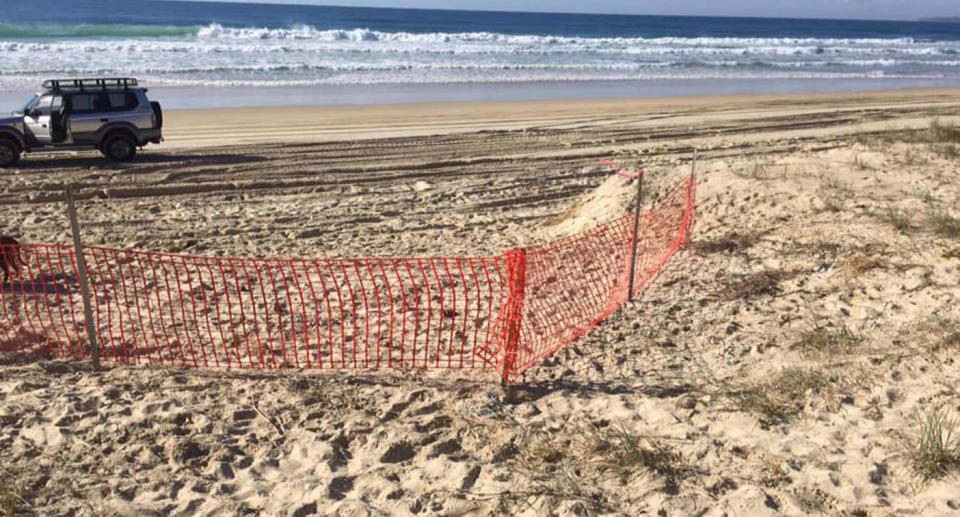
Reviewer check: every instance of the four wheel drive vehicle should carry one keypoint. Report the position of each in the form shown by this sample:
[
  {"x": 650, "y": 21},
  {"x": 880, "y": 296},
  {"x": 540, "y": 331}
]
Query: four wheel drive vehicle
[{"x": 113, "y": 116}]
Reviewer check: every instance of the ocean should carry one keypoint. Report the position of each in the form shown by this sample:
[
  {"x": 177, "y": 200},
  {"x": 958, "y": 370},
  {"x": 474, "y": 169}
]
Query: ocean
[{"x": 285, "y": 54}]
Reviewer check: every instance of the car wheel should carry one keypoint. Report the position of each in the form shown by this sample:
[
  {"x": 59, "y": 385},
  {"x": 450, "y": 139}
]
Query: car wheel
[
  {"x": 119, "y": 148},
  {"x": 9, "y": 153}
]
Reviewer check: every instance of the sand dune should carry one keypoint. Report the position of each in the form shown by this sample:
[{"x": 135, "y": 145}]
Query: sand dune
[{"x": 777, "y": 366}]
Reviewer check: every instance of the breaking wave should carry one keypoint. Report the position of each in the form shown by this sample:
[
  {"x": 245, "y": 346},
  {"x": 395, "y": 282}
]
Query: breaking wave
[{"x": 215, "y": 54}]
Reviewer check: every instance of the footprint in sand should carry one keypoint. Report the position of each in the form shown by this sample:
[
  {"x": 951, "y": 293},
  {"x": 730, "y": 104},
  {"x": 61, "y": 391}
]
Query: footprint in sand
[{"x": 398, "y": 453}]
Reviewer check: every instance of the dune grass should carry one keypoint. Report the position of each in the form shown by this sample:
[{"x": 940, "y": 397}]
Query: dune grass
[
  {"x": 939, "y": 132},
  {"x": 899, "y": 219},
  {"x": 782, "y": 397},
  {"x": 943, "y": 223},
  {"x": 935, "y": 450},
  {"x": 940, "y": 137},
  {"x": 621, "y": 450},
  {"x": 577, "y": 467}
]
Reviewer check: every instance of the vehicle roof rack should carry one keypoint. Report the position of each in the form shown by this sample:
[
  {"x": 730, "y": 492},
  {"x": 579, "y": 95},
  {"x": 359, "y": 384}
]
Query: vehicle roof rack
[{"x": 56, "y": 85}]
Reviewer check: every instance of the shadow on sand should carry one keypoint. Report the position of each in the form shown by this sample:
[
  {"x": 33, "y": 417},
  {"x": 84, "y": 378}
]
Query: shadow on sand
[{"x": 41, "y": 285}]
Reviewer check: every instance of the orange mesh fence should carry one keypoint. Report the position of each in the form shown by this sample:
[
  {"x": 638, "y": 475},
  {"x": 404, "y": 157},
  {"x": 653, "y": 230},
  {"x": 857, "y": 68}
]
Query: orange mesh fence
[
  {"x": 41, "y": 310},
  {"x": 575, "y": 283},
  {"x": 257, "y": 313},
  {"x": 505, "y": 312}
]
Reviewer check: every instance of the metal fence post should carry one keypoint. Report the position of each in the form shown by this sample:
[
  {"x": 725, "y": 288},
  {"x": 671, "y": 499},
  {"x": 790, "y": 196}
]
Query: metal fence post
[
  {"x": 516, "y": 280},
  {"x": 636, "y": 233},
  {"x": 84, "y": 279},
  {"x": 691, "y": 188}
]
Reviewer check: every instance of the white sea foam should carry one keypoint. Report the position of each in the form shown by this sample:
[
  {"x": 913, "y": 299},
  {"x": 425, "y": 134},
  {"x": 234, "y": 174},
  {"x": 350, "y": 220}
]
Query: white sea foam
[
  {"x": 304, "y": 55},
  {"x": 304, "y": 32}
]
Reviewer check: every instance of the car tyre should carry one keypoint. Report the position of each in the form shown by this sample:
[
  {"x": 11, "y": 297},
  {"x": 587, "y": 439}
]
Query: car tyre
[
  {"x": 119, "y": 148},
  {"x": 9, "y": 153}
]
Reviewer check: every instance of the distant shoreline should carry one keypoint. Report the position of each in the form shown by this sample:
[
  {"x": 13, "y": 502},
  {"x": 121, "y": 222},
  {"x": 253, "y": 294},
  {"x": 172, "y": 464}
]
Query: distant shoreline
[
  {"x": 946, "y": 19},
  {"x": 185, "y": 98}
]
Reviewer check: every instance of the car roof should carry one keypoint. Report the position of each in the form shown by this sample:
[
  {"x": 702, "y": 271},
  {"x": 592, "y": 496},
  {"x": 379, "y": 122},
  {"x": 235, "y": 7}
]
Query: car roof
[{"x": 73, "y": 91}]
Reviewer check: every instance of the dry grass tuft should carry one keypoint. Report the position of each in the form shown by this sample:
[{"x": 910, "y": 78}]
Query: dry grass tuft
[
  {"x": 563, "y": 482},
  {"x": 758, "y": 172},
  {"x": 861, "y": 264},
  {"x": 935, "y": 450},
  {"x": 733, "y": 241},
  {"x": 944, "y": 333},
  {"x": 943, "y": 223},
  {"x": 874, "y": 140},
  {"x": 949, "y": 151},
  {"x": 11, "y": 495},
  {"x": 937, "y": 132},
  {"x": 915, "y": 156},
  {"x": 927, "y": 197},
  {"x": 833, "y": 193},
  {"x": 825, "y": 340},
  {"x": 764, "y": 283},
  {"x": 619, "y": 450},
  {"x": 823, "y": 249},
  {"x": 942, "y": 133},
  {"x": 772, "y": 474},
  {"x": 781, "y": 398},
  {"x": 8, "y": 500},
  {"x": 899, "y": 219},
  {"x": 576, "y": 468}
]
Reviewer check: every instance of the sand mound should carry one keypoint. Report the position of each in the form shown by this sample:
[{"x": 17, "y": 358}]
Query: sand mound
[
  {"x": 612, "y": 199},
  {"x": 615, "y": 197}
]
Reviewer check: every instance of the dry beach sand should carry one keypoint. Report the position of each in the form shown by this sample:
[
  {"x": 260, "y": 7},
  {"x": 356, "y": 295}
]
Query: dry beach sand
[{"x": 781, "y": 365}]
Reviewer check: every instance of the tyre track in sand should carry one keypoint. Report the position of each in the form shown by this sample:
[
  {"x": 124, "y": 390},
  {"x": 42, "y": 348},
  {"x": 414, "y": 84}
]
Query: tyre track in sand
[{"x": 393, "y": 195}]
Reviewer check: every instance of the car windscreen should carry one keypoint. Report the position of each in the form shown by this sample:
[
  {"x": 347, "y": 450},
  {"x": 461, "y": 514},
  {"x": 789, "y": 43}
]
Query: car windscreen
[
  {"x": 43, "y": 105},
  {"x": 30, "y": 103}
]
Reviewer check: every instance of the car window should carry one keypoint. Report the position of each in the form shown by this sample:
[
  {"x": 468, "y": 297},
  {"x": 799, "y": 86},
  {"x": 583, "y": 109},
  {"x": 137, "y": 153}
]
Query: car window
[
  {"x": 122, "y": 101},
  {"x": 103, "y": 102},
  {"x": 83, "y": 103}
]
